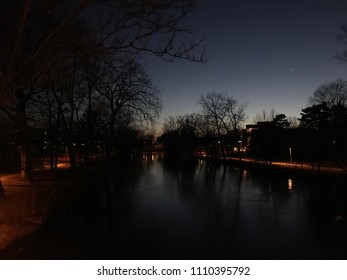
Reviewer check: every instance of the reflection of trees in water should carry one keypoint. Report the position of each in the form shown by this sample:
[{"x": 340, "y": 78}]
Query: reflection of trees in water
[
  {"x": 232, "y": 204},
  {"x": 329, "y": 200},
  {"x": 182, "y": 171},
  {"x": 119, "y": 181}
]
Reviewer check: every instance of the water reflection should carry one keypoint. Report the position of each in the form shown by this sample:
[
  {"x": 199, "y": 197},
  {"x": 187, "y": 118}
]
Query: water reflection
[
  {"x": 197, "y": 209},
  {"x": 290, "y": 184}
]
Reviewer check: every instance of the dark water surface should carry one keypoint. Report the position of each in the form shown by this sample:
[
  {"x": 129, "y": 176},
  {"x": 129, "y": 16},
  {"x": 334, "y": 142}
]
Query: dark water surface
[
  {"x": 200, "y": 210},
  {"x": 215, "y": 211}
]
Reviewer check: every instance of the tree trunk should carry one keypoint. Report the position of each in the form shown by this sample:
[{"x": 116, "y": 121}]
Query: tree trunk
[
  {"x": 23, "y": 136},
  {"x": 25, "y": 164},
  {"x": 71, "y": 151}
]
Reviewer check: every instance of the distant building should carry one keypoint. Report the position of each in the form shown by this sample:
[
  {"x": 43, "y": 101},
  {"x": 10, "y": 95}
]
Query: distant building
[{"x": 248, "y": 135}]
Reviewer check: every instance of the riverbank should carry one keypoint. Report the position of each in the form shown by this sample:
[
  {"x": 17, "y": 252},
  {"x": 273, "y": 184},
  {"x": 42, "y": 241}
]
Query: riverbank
[
  {"x": 52, "y": 213},
  {"x": 15, "y": 209},
  {"x": 305, "y": 168},
  {"x": 25, "y": 206}
]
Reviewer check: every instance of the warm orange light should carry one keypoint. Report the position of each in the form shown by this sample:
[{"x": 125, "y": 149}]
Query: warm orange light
[
  {"x": 245, "y": 173},
  {"x": 290, "y": 184}
]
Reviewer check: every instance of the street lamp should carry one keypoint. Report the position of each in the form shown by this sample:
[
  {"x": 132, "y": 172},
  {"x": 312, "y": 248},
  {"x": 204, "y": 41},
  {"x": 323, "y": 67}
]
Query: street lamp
[{"x": 290, "y": 155}]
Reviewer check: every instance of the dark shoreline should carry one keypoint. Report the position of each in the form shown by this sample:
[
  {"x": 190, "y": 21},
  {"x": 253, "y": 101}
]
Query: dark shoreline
[{"x": 302, "y": 171}]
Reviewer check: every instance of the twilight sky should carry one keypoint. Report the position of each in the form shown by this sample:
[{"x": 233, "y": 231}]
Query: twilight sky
[{"x": 270, "y": 53}]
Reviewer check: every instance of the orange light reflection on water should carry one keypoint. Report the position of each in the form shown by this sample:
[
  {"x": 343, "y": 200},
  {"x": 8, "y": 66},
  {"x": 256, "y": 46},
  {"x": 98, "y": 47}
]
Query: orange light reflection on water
[{"x": 290, "y": 184}]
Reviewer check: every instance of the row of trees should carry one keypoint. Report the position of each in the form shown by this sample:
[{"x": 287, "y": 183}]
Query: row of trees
[
  {"x": 327, "y": 118},
  {"x": 220, "y": 119},
  {"x": 320, "y": 133},
  {"x": 320, "y": 130},
  {"x": 71, "y": 69}
]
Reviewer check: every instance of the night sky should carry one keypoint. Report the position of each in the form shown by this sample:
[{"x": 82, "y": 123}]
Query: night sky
[{"x": 272, "y": 54}]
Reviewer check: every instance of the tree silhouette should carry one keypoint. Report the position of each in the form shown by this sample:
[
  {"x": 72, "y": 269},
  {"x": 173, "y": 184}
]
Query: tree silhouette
[
  {"x": 342, "y": 38},
  {"x": 330, "y": 94},
  {"x": 315, "y": 117},
  {"x": 327, "y": 116},
  {"x": 38, "y": 38},
  {"x": 214, "y": 108},
  {"x": 265, "y": 116},
  {"x": 224, "y": 113},
  {"x": 280, "y": 120},
  {"x": 180, "y": 134},
  {"x": 125, "y": 85}
]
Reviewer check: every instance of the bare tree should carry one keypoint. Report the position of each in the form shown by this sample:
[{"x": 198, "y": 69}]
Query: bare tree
[
  {"x": 342, "y": 38},
  {"x": 224, "y": 113},
  {"x": 214, "y": 109},
  {"x": 38, "y": 35},
  {"x": 236, "y": 113},
  {"x": 57, "y": 109},
  {"x": 171, "y": 124},
  {"x": 151, "y": 26},
  {"x": 180, "y": 133},
  {"x": 332, "y": 94},
  {"x": 264, "y": 116},
  {"x": 126, "y": 86}
]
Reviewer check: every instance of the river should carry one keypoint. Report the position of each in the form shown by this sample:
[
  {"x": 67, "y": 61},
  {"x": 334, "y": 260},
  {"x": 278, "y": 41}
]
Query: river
[{"x": 201, "y": 210}]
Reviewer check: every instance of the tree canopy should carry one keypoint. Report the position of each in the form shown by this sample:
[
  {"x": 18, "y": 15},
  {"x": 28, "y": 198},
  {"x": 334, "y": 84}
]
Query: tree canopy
[{"x": 60, "y": 58}]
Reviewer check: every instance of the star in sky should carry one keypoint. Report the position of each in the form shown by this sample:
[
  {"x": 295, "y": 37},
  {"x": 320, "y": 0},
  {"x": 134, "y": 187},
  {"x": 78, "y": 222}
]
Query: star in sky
[{"x": 248, "y": 43}]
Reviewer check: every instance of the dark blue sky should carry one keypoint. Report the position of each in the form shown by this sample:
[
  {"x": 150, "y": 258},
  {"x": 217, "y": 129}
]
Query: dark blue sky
[{"x": 272, "y": 54}]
